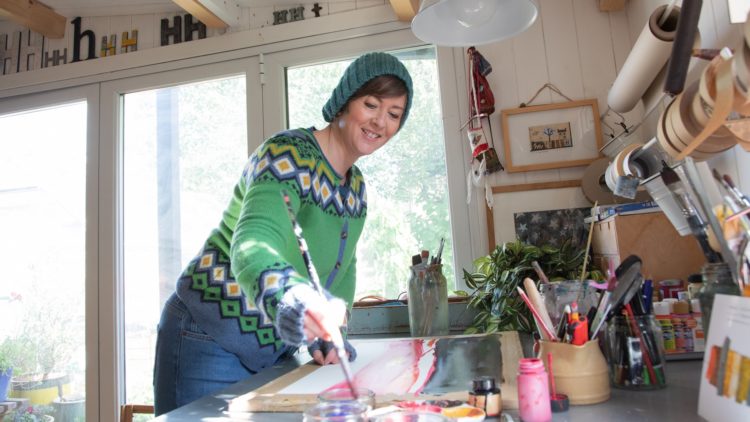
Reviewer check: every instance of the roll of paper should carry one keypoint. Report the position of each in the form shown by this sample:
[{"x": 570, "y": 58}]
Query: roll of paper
[{"x": 646, "y": 59}]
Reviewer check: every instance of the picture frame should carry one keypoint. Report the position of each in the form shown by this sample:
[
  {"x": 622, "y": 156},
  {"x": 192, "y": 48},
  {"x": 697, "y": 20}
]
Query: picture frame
[
  {"x": 551, "y": 136},
  {"x": 528, "y": 197}
]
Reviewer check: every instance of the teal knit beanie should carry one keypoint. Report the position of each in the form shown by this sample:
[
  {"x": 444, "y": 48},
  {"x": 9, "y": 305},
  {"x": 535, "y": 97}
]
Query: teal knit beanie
[{"x": 366, "y": 67}]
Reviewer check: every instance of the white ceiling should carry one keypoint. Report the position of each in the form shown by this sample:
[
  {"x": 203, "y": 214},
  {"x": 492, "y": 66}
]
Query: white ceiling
[{"x": 84, "y": 8}]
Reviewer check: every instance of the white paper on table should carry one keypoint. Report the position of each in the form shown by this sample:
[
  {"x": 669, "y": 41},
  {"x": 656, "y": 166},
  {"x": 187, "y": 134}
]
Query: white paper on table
[{"x": 368, "y": 351}]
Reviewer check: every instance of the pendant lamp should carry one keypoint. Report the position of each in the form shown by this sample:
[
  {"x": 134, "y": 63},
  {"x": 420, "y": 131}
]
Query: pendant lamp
[{"x": 463, "y": 23}]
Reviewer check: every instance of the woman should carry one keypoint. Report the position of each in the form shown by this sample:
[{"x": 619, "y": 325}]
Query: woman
[{"x": 246, "y": 300}]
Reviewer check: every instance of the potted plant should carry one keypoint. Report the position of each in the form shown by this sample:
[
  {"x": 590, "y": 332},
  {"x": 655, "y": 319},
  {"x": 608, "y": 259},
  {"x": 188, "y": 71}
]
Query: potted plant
[
  {"x": 8, "y": 357},
  {"x": 47, "y": 340},
  {"x": 35, "y": 413},
  {"x": 497, "y": 275}
]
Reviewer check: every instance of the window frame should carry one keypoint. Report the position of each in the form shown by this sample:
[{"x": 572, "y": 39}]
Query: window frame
[
  {"x": 275, "y": 118},
  {"x": 112, "y": 335},
  {"x": 90, "y": 94}
]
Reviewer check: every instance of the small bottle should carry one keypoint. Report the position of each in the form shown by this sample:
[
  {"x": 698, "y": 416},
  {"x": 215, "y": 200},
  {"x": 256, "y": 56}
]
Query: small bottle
[
  {"x": 533, "y": 391},
  {"x": 681, "y": 313},
  {"x": 662, "y": 314},
  {"x": 486, "y": 396},
  {"x": 699, "y": 337}
]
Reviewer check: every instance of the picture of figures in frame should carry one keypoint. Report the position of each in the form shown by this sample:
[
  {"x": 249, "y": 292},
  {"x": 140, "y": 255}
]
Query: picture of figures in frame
[{"x": 551, "y": 136}]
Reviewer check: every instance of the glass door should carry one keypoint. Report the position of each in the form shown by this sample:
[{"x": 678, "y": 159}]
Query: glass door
[
  {"x": 48, "y": 242},
  {"x": 182, "y": 145}
]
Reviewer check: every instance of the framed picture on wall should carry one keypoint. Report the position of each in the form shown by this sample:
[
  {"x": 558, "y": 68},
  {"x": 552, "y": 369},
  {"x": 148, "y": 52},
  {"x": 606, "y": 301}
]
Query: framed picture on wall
[
  {"x": 551, "y": 136},
  {"x": 526, "y": 198}
]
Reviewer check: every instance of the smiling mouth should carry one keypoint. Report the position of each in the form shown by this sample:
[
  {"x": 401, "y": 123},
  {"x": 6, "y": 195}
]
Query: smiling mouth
[{"x": 370, "y": 135}]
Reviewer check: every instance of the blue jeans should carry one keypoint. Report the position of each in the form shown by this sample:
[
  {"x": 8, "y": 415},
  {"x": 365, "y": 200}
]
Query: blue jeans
[{"x": 189, "y": 364}]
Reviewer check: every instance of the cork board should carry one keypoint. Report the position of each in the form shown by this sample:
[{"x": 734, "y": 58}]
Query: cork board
[{"x": 399, "y": 369}]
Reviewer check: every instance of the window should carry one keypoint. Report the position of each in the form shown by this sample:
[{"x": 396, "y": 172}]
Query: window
[
  {"x": 43, "y": 243},
  {"x": 184, "y": 149},
  {"x": 407, "y": 183}
]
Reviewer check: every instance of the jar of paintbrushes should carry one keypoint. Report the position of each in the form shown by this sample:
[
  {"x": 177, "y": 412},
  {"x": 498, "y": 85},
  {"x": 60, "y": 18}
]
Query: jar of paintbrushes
[
  {"x": 635, "y": 352},
  {"x": 428, "y": 300}
]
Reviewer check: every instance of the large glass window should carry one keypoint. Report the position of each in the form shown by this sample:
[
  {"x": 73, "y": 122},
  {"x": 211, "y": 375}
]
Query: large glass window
[
  {"x": 408, "y": 205},
  {"x": 184, "y": 149},
  {"x": 43, "y": 247}
]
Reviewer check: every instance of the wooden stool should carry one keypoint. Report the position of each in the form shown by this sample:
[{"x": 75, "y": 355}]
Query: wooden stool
[{"x": 127, "y": 411}]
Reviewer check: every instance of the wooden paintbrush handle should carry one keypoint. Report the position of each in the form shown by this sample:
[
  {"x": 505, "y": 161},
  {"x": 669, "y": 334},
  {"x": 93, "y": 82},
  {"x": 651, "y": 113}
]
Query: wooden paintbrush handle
[{"x": 536, "y": 300}]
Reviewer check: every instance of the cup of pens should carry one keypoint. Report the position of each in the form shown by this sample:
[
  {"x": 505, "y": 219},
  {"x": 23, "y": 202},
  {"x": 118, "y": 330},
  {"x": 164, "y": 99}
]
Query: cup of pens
[{"x": 635, "y": 352}]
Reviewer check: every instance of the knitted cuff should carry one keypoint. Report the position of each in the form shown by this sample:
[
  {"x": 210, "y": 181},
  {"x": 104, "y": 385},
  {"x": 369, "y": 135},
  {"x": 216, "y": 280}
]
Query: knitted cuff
[
  {"x": 290, "y": 313},
  {"x": 326, "y": 346}
]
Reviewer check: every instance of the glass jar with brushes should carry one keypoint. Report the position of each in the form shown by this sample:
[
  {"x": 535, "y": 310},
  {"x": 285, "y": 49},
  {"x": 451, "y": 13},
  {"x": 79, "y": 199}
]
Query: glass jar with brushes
[
  {"x": 428, "y": 301},
  {"x": 635, "y": 352},
  {"x": 717, "y": 279}
]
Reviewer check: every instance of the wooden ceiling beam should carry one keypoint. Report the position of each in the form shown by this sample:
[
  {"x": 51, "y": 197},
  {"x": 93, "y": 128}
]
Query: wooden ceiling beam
[
  {"x": 35, "y": 16},
  {"x": 405, "y": 9},
  {"x": 213, "y": 13}
]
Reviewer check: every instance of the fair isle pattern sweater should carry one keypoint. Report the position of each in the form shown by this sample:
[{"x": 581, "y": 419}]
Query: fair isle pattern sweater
[{"x": 232, "y": 288}]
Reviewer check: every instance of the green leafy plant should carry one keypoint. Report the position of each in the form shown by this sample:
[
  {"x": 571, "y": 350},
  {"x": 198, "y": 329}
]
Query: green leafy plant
[
  {"x": 497, "y": 275},
  {"x": 33, "y": 413},
  {"x": 10, "y": 355}
]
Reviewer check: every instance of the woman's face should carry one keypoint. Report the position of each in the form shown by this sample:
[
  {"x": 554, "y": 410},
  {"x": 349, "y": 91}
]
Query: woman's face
[{"x": 370, "y": 122}]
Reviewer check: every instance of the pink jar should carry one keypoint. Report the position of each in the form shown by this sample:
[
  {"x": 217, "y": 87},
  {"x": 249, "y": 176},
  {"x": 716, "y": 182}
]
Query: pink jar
[{"x": 533, "y": 391}]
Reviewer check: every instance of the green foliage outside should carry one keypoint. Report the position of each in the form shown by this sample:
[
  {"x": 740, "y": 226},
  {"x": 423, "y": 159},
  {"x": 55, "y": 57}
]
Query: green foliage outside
[{"x": 497, "y": 275}]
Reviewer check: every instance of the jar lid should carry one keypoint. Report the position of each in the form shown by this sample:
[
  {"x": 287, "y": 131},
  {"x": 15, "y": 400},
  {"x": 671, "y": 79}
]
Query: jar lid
[
  {"x": 661, "y": 308},
  {"x": 695, "y": 278},
  {"x": 681, "y": 307},
  {"x": 484, "y": 383}
]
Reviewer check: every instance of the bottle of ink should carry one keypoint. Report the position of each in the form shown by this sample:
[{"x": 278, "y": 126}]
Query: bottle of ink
[
  {"x": 662, "y": 314},
  {"x": 486, "y": 396},
  {"x": 533, "y": 391}
]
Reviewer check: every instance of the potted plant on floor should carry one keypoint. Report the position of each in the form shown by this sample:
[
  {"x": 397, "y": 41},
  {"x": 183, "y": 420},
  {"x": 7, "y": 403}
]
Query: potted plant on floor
[{"x": 49, "y": 338}]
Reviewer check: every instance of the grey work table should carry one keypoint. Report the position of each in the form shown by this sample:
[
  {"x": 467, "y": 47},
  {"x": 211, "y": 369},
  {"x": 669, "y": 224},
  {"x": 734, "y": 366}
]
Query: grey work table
[{"x": 677, "y": 402}]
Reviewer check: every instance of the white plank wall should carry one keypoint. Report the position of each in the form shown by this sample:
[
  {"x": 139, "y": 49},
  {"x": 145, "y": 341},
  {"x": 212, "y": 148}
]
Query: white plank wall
[{"x": 573, "y": 46}]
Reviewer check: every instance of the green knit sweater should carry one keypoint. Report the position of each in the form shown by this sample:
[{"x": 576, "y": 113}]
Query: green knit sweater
[{"x": 232, "y": 288}]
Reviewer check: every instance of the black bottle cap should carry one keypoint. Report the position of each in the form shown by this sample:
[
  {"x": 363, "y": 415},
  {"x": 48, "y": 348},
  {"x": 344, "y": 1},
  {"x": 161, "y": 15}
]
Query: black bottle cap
[{"x": 484, "y": 384}]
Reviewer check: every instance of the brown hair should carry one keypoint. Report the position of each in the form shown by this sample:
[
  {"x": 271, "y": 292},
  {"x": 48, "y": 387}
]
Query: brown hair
[{"x": 383, "y": 86}]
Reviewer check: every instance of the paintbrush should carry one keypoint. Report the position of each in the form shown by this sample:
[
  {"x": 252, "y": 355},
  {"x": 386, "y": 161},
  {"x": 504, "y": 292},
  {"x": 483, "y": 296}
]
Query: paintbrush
[
  {"x": 542, "y": 276},
  {"x": 547, "y": 330},
  {"x": 586, "y": 254},
  {"x": 736, "y": 199},
  {"x": 739, "y": 195},
  {"x": 696, "y": 223},
  {"x": 336, "y": 338}
]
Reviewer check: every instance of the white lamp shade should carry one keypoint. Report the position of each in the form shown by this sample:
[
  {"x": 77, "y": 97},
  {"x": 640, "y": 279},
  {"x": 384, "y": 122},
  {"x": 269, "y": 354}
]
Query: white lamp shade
[{"x": 463, "y": 23}]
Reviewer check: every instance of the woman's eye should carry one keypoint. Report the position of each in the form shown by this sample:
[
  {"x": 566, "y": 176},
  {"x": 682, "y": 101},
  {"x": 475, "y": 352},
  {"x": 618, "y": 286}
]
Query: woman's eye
[
  {"x": 394, "y": 116},
  {"x": 370, "y": 105}
]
